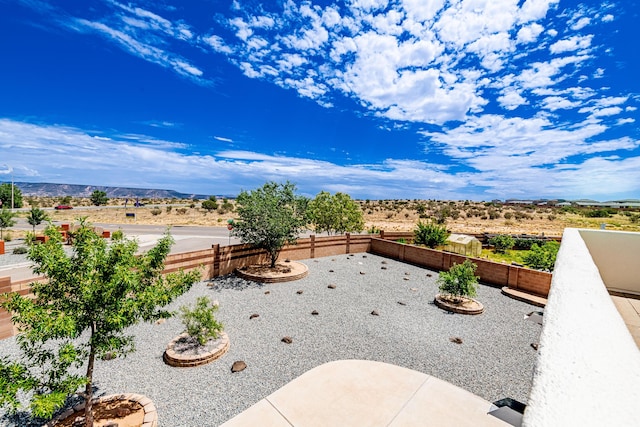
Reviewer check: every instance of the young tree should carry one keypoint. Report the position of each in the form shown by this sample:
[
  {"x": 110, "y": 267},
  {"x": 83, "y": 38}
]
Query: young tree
[
  {"x": 335, "y": 214},
  {"x": 5, "y": 195},
  {"x": 99, "y": 198},
  {"x": 6, "y": 219},
  {"x": 35, "y": 217},
  {"x": 459, "y": 281},
  {"x": 502, "y": 243},
  {"x": 211, "y": 204},
  {"x": 542, "y": 257},
  {"x": 430, "y": 235},
  {"x": 270, "y": 217},
  {"x": 81, "y": 312}
]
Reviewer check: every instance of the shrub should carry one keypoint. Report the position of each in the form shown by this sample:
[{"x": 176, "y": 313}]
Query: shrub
[
  {"x": 508, "y": 215},
  {"x": 600, "y": 213},
  {"x": 542, "y": 257},
  {"x": 156, "y": 211},
  {"x": 168, "y": 209},
  {"x": 20, "y": 250},
  {"x": 117, "y": 235},
  {"x": 525, "y": 244},
  {"x": 181, "y": 211},
  {"x": 459, "y": 281},
  {"x": 502, "y": 243},
  {"x": 200, "y": 322},
  {"x": 430, "y": 235}
]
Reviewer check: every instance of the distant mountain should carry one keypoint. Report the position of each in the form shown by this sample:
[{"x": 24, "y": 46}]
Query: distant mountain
[{"x": 73, "y": 190}]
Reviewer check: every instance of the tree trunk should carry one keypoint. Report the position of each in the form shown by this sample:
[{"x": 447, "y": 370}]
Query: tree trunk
[{"x": 88, "y": 390}]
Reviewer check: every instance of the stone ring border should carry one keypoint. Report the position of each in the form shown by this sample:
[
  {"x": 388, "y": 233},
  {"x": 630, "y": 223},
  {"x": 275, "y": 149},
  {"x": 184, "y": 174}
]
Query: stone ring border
[
  {"x": 172, "y": 358},
  {"x": 441, "y": 302},
  {"x": 150, "y": 412},
  {"x": 299, "y": 270}
]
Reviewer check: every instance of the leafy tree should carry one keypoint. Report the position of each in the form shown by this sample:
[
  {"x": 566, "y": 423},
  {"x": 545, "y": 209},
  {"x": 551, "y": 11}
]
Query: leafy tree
[
  {"x": 99, "y": 198},
  {"x": 5, "y": 195},
  {"x": 92, "y": 295},
  {"x": 429, "y": 234},
  {"x": 211, "y": 204},
  {"x": 35, "y": 217},
  {"x": 542, "y": 257},
  {"x": 335, "y": 214},
  {"x": 65, "y": 200},
  {"x": 200, "y": 321},
  {"x": 459, "y": 281},
  {"x": 270, "y": 217},
  {"x": 6, "y": 219},
  {"x": 502, "y": 243}
]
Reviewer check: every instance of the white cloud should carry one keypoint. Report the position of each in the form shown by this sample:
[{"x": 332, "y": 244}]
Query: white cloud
[
  {"x": 223, "y": 139},
  {"x": 571, "y": 44},
  {"x": 529, "y": 33}
]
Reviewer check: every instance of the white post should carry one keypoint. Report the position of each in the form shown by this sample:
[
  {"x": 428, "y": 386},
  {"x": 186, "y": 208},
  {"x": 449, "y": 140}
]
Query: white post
[{"x": 11, "y": 189}]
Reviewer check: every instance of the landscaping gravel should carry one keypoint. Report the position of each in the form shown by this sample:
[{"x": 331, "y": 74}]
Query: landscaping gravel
[{"x": 495, "y": 359}]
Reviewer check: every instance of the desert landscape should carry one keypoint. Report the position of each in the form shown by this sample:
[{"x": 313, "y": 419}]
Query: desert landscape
[{"x": 389, "y": 215}]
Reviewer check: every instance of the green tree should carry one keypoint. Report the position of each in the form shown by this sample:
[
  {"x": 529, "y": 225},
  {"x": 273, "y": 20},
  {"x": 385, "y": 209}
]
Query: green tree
[
  {"x": 35, "y": 217},
  {"x": 6, "y": 219},
  {"x": 91, "y": 297},
  {"x": 65, "y": 200},
  {"x": 542, "y": 257},
  {"x": 5, "y": 195},
  {"x": 270, "y": 217},
  {"x": 502, "y": 243},
  {"x": 459, "y": 281},
  {"x": 99, "y": 198},
  {"x": 430, "y": 235},
  {"x": 211, "y": 204},
  {"x": 335, "y": 214}
]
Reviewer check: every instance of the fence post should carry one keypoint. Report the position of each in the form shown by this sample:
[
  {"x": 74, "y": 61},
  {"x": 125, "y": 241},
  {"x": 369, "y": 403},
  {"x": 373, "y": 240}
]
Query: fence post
[
  {"x": 348, "y": 243},
  {"x": 215, "y": 270},
  {"x": 312, "y": 246},
  {"x": 382, "y": 234}
]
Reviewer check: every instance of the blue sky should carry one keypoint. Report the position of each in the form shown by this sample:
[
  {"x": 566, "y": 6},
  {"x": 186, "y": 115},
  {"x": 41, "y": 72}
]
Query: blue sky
[{"x": 418, "y": 99}]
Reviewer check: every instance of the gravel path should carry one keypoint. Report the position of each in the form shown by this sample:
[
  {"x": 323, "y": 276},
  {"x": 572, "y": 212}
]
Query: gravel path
[{"x": 495, "y": 359}]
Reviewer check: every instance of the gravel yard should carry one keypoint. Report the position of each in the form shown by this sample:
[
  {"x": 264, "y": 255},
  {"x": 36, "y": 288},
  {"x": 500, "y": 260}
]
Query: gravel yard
[{"x": 494, "y": 360}]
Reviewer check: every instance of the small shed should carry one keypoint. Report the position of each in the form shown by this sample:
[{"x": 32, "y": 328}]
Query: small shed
[{"x": 463, "y": 244}]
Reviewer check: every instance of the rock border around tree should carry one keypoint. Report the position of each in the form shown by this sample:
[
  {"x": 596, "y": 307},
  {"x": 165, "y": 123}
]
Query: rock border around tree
[
  {"x": 150, "y": 412},
  {"x": 283, "y": 272},
  {"x": 467, "y": 306},
  {"x": 217, "y": 348}
]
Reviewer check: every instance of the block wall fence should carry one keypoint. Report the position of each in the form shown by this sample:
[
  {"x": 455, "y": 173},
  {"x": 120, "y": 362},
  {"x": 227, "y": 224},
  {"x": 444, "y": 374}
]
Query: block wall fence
[{"x": 222, "y": 260}]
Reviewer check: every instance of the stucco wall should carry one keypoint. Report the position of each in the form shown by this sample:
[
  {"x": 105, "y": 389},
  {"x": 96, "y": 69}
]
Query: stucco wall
[
  {"x": 617, "y": 256},
  {"x": 588, "y": 367}
]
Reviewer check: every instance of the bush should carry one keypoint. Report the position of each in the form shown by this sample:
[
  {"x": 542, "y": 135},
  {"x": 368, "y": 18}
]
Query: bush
[
  {"x": 168, "y": 209},
  {"x": 600, "y": 213},
  {"x": 200, "y": 322},
  {"x": 181, "y": 211},
  {"x": 502, "y": 243},
  {"x": 117, "y": 235},
  {"x": 156, "y": 211},
  {"x": 542, "y": 257},
  {"x": 20, "y": 250},
  {"x": 525, "y": 243},
  {"x": 459, "y": 281},
  {"x": 430, "y": 235}
]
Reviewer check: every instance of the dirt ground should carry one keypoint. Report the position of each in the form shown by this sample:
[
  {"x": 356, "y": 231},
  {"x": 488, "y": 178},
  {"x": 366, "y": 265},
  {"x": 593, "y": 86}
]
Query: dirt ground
[{"x": 388, "y": 215}]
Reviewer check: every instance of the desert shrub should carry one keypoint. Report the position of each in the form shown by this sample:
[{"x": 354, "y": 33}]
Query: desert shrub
[
  {"x": 551, "y": 217},
  {"x": 181, "y": 211},
  {"x": 599, "y": 213},
  {"x": 525, "y": 244},
  {"x": 429, "y": 234},
  {"x": 20, "y": 250},
  {"x": 493, "y": 214},
  {"x": 542, "y": 257},
  {"x": 634, "y": 218},
  {"x": 211, "y": 204},
  {"x": 156, "y": 211},
  {"x": 8, "y": 236},
  {"x": 390, "y": 215},
  {"x": 502, "y": 242},
  {"x": 508, "y": 215},
  {"x": 373, "y": 230},
  {"x": 117, "y": 235},
  {"x": 459, "y": 281},
  {"x": 200, "y": 322},
  {"x": 168, "y": 209}
]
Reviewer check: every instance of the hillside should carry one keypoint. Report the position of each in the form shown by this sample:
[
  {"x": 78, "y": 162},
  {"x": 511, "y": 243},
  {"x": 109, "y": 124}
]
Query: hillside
[{"x": 40, "y": 189}]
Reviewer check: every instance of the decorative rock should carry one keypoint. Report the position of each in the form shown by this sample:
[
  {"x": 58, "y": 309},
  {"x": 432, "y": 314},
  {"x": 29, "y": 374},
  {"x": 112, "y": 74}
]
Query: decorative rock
[
  {"x": 287, "y": 260},
  {"x": 456, "y": 340},
  {"x": 330, "y": 271},
  {"x": 362, "y": 273},
  {"x": 383, "y": 262},
  {"x": 299, "y": 292},
  {"x": 364, "y": 256},
  {"x": 160, "y": 321},
  {"x": 109, "y": 355},
  {"x": 267, "y": 292},
  {"x": 402, "y": 303},
  {"x": 383, "y": 268},
  {"x": 238, "y": 366},
  {"x": 429, "y": 275},
  {"x": 405, "y": 278},
  {"x": 375, "y": 313},
  {"x": 407, "y": 274},
  {"x": 315, "y": 312},
  {"x": 287, "y": 340},
  {"x": 534, "y": 346},
  {"x": 332, "y": 286},
  {"x": 253, "y": 316},
  {"x": 413, "y": 289}
]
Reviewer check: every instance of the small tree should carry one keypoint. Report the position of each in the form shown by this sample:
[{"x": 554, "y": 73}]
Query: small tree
[
  {"x": 65, "y": 200},
  {"x": 35, "y": 217},
  {"x": 211, "y": 204},
  {"x": 430, "y": 235},
  {"x": 460, "y": 281},
  {"x": 99, "y": 198},
  {"x": 542, "y": 257},
  {"x": 91, "y": 297},
  {"x": 5, "y": 195},
  {"x": 335, "y": 214},
  {"x": 502, "y": 243},
  {"x": 6, "y": 220},
  {"x": 200, "y": 322},
  {"x": 270, "y": 217}
]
